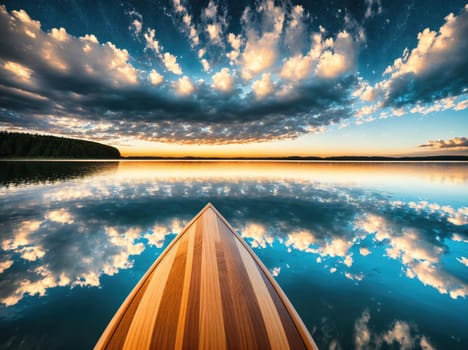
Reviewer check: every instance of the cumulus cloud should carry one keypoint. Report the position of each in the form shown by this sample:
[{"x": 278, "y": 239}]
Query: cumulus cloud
[
  {"x": 155, "y": 78},
  {"x": 223, "y": 80},
  {"x": 57, "y": 83},
  {"x": 215, "y": 23},
  {"x": 261, "y": 48},
  {"x": 435, "y": 69},
  {"x": 402, "y": 334},
  {"x": 420, "y": 259},
  {"x": 184, "y": 86},
  {"x": 263, "y": 86},
  {"x": 455, "y": 143}
]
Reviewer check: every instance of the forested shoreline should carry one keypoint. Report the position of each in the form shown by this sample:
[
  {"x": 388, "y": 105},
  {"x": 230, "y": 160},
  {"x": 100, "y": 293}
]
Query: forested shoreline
[{"x": 22, "y": 145}]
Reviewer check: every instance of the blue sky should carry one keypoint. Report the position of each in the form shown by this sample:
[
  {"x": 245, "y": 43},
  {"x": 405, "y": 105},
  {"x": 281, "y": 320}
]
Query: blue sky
[{"x": 239, "y": 78}]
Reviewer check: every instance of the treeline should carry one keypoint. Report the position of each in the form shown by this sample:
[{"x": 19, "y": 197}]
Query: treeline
[{"x": 21, "y": 145}]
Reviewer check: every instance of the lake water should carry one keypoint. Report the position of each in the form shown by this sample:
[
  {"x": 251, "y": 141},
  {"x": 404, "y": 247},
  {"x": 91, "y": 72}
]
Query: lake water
[{"x": 372, "y": 255}]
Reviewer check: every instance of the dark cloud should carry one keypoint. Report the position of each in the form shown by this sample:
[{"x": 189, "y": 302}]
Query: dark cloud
[
  {"x": 457, "y": 142},
  {"x": 54, "y": 82}
]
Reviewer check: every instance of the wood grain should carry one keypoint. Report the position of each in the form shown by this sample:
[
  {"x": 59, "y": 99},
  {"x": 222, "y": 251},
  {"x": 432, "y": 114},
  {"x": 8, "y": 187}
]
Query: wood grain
[{"x": 207, "y": 290}]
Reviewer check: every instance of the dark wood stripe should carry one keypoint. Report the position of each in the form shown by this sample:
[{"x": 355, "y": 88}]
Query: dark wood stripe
[
  {"x": 117, "y": 340},
  {"x": 192, "y": 320},
  {"x": 245, "y": 312},
  {"x": 294, "y": 338},
  {"x": 165, "y": 327}
]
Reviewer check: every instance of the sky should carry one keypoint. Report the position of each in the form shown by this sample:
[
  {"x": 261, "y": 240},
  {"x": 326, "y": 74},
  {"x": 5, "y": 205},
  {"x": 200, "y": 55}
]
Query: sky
[{"x": 239, "y": 78}]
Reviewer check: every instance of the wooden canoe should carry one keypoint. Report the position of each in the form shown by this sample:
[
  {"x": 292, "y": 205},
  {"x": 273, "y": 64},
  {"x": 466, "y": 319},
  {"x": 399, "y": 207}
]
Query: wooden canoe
[{"x": 207, "y": 290}]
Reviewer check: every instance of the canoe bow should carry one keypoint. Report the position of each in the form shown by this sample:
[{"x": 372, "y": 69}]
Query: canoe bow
[{"x": 207, "y": 290}]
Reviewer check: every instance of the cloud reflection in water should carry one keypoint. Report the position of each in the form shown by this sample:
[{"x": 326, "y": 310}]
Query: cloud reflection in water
[{"x": 71, "y": 233}]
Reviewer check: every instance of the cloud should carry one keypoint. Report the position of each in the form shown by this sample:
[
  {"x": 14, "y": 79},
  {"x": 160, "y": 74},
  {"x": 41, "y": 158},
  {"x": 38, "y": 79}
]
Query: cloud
[
  {"x": 261, "y": 47},
  {"x": 295, "y": 29},
  {"x": 186, "y": 22},
  {"x": 155, "y": 78},
  {"x": 136, "y": 25},
  {"x": 374, "y": 7},
  {"x": 168, "y": 59},
  {"x": 435, "y": 69},
  {"x": 223, "y": 80},
  {"x": 184, "y": 86},
  {"x": 263, "y": 86},
  {"x": 455, "y": 143},
  {"x": 235, "y": 41},
  {"x": 420, "y": 259},
  {"x": 61, "y": 216},
  {"x": 339, "y": 58},
  {"x": 401, "y": 333},
  {"x": 214, "y": 21},
  {"x": 78, "y": 86},
  {"x": 463, "y": 261}
]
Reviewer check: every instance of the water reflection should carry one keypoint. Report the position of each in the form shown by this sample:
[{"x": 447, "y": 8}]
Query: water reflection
[
  {"x": 320, "y": 228},
  {"x": 21, "y": 173}
]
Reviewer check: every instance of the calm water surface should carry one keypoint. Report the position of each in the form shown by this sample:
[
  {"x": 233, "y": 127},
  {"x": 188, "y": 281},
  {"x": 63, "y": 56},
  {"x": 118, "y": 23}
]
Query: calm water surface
[{"x": 372, "y": 255}]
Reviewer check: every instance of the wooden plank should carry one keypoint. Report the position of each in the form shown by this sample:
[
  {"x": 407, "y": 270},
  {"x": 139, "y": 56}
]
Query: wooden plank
[{"x": 207, "y": 290}]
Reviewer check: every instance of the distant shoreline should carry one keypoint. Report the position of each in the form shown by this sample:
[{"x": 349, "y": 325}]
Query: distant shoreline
[{"x": 444, "y": 158}]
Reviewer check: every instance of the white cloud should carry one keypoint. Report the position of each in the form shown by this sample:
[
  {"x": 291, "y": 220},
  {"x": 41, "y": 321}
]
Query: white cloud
[
  {"x": 275, "y": 271},
  {"x": 295, "y": 29},
  {"x": 170, "y": 62},
  {"x": 5, "y": 265},
  {"x": 223, "y": 80},
  {"x": 263, "y": 86},
  {"x": 136, "y": 26},
  {"x": 155, "y": 78},
  {"x": 151, "y": 42},
  {"x": 402, "y": 333},
  {"x": 339, "y": 58},
  {"x": 420, "y": 258},
  {"x": 21, "y": 72},
  {"x": 258, "y": 234},
  {"x": 168, "y": 59},
  {"x": 348, "y": 261},
  {"x": 184, "y": 86},
  {"x": 187, "y": 26},
  {"x": 297, "y": 67},
  {"x": 364, "y": 251},
  {"x": 41, "y": 55},
  {"x": 259, "y": 54},
  {"x": 205, "y": 64},
  {"x": 432, "y": 71},
  {"x": 463, "y": 261},
  {"x": 61, "y": 216},
  {"x": 261, "y": 48},
  {"x": 301, "y": 240},
  {"x": 362, "y": 334}
]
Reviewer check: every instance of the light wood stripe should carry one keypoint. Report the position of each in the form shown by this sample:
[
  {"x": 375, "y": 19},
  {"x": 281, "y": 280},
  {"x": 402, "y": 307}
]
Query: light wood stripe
[
  {"x": 141, "y": 329},
  {"x": 212, "y": 334},
  {"x": 207, "y": 290}
]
